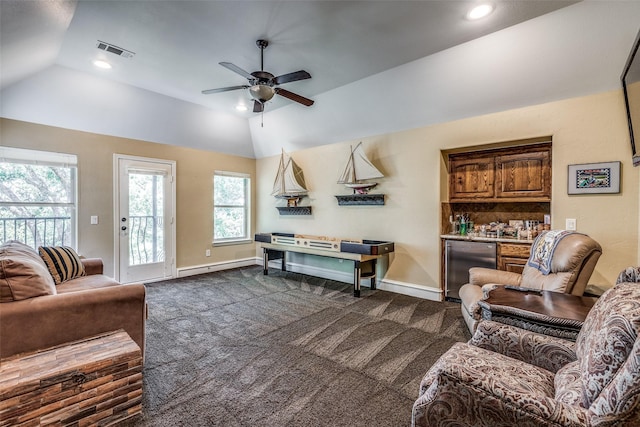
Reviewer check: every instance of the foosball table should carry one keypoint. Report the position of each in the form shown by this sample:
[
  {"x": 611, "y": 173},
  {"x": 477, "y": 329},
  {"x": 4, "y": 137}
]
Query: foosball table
[{"x": 363, "y": 253}]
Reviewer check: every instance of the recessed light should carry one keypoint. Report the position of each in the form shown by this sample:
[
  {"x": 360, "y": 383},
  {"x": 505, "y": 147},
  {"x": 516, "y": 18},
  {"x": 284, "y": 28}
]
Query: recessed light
[
  {"x": 241, "y": 107},
  {"x": 101, "y": 64},
  {"x": 480, "y": 11}
]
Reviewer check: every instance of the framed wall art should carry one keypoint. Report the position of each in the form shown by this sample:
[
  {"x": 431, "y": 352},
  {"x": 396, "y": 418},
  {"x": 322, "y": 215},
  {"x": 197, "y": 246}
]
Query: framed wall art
[{"x": 594, "y": 178}]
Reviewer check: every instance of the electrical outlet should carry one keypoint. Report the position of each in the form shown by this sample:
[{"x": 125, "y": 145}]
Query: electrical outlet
[
  {"x": 207, "y": 252},
  {"x": 570, "y": 224}
]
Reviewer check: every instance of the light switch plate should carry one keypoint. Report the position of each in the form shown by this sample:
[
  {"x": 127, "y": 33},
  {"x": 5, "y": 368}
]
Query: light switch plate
[
  {"x": 94, "y": 219},
  {"x": 570, "y": 224}
]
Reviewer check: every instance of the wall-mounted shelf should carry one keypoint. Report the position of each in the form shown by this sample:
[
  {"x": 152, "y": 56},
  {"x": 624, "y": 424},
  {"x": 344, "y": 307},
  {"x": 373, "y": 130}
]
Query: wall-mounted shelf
[
  {"x": 294, "y": 210},
  {"x": 361, "y": 200}
]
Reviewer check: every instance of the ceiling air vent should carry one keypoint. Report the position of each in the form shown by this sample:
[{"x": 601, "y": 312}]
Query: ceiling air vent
[{"x": 108, "y": 47}]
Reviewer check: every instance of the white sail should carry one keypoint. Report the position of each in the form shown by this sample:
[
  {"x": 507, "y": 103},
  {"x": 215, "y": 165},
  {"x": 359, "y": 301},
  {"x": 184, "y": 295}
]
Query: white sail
[
  {"x": 359, "y": 168},
  {"x": 289, "y": 180}
]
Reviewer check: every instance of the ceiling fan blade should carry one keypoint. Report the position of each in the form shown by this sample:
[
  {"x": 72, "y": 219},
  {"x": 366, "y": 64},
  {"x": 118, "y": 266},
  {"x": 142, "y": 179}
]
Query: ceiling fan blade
[
  {"x": 294, "y": 97},
  {"x": 223, "y": 89},
  {"x": 258, "y": 106},
  {"x": 292, "y": 77},
  {"x": 237, "y": 69}
]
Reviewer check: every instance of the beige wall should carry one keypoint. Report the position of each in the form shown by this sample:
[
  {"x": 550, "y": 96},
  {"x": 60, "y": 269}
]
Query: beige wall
[
  {"x": 584, "y": 130},
  {"x": 194, "y": 188}
]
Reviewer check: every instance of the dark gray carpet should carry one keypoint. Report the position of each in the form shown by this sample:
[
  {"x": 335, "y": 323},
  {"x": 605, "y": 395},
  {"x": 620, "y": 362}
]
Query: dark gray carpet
[{"x": 237, "y": 348}]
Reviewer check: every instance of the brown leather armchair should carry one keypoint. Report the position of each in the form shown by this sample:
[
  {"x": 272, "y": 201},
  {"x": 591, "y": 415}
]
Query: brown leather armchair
[{"x": 572, "y": 264}]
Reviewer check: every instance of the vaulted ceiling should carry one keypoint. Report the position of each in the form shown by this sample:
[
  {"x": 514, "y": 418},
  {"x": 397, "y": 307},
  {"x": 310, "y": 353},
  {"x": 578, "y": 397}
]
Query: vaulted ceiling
[{"x": 376, "y": 66}]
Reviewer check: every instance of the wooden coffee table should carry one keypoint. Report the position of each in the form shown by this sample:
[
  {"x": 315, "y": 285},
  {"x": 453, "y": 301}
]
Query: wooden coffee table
[{"x": 550, "y": 313}]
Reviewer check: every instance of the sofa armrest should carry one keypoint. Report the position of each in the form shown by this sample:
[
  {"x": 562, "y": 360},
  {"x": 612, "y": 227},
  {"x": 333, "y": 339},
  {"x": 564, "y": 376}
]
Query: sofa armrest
[
  {"x": 544, "y": 351},
  {"x": 42, "y": 322},
  {"x": 92, "y": 265},
  {"x": 482, "y": 276}
]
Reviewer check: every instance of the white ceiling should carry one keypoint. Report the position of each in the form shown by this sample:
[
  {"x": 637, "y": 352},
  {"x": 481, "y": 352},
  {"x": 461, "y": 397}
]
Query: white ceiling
[{"x": 376, "y": 66}]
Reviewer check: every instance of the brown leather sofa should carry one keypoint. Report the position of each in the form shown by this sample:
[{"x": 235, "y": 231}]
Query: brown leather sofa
[
  {"x": 572, "y": 264},
  {"x": 36, "y": 314}
]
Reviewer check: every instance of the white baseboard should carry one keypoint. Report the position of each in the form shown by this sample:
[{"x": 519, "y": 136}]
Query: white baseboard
[
  {"x": 395, "y": 286},
  {"x": 410, "y": 289},
  {"x": 338, "y": 276},
  {"x": 217, "y": 266}
]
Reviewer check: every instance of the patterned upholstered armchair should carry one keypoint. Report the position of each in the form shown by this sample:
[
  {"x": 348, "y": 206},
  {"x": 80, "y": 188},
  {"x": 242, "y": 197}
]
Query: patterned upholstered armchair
[
  {"x": 506, "y": 376},
  {"x": 629, "y": 274}
]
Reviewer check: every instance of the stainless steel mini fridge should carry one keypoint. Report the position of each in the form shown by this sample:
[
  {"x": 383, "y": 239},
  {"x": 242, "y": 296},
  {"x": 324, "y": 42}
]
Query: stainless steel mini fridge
[{"x": 460, "y": 256}]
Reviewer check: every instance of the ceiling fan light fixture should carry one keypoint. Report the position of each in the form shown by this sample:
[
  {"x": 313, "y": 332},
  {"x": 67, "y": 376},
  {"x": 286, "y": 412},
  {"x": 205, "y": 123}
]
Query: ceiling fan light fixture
[
  {"x": 480, "y": 11},
  {"x": 262, "y": 93},
  {"x": 263, "y": 85}
]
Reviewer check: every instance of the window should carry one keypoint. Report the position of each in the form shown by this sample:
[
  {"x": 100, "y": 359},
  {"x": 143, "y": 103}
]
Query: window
[
  {"x": 230, "y": 206},
  {"x": 37, "y": 197},
  {"x": 146, "y": 216}
]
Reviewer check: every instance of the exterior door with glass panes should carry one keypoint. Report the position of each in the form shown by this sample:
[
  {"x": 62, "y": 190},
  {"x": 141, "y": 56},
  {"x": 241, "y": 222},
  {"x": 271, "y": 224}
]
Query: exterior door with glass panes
[{"x": 145, "y": 220}]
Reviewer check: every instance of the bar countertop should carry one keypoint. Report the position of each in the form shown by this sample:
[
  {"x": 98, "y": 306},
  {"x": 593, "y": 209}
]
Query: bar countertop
[{"x": 485, "y": 239}]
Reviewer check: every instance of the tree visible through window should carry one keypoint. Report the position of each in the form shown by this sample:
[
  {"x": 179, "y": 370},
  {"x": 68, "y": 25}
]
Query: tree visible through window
[
  {"x": 146, "y": 218},
  {"x": 230, "y": 206},
  {"x": 37, "y": 197}
]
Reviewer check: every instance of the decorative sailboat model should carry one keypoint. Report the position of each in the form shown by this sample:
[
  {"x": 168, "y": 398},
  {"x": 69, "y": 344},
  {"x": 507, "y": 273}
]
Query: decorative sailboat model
[
  {"x": 356, "y": 176},
  {"x": 289, "y": 184}
]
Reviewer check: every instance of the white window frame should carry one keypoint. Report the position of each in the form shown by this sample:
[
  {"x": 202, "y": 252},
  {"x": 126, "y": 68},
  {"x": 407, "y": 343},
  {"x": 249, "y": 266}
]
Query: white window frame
[
  {"x": 47, "y": 158},
  {"x": 247, "y": 209}
]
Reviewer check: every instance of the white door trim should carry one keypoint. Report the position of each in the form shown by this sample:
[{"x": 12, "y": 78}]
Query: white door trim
[{"x": 171, "y": 249}]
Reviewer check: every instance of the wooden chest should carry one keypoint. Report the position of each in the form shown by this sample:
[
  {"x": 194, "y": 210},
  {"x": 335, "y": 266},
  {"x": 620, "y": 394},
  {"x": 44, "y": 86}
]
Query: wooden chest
[{"x": 88, "y": 382}]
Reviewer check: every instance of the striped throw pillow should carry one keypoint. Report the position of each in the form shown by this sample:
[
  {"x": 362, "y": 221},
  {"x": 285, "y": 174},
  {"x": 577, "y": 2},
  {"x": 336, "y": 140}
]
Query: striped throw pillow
[{"x": 63, "y": 262}]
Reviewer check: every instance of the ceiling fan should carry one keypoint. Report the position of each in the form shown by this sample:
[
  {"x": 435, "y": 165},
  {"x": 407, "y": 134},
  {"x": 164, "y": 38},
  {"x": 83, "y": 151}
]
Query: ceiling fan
[{"x": 264, "y": 85}]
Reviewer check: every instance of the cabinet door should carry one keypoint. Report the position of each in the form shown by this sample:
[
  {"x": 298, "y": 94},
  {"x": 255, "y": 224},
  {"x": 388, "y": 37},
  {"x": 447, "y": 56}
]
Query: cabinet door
[
  {"x": 513, "y": 257},
  {"x": 514, "y": 265},
  {"x": 524, "y": 175},
  {"x": 471, "y": 179}
]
